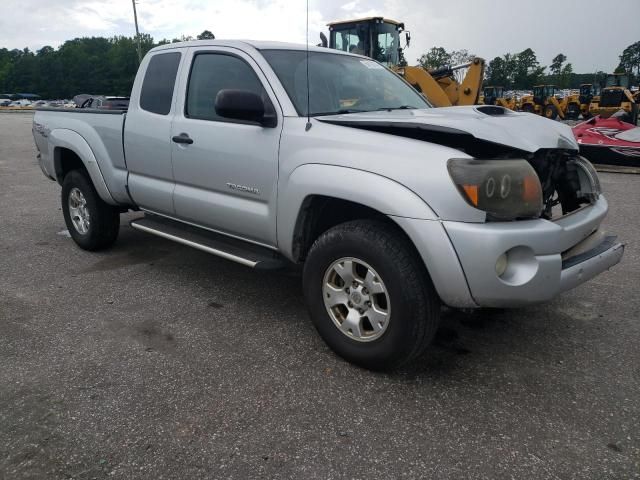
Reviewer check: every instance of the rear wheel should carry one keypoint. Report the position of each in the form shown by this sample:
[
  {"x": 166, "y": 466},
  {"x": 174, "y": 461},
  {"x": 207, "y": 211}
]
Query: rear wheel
[
  {"x": 551, "y": 112},
  {"x": 573, "y": 111},
  {"x": 633, "y": 116},
  {"x": 92, "y": 223},
  {"x": 527, "y": 107},
  {"x": 369, "y": 295}
]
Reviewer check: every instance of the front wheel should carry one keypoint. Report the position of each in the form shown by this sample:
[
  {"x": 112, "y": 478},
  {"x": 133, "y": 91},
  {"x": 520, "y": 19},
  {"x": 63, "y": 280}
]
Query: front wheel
[
  {"x": 527, "y": 107},
  {"x": 369, "y": 295},
  {"x": 551, "y": 112},
  {"x": 92, "y": 223},
  {"x": 573, "y": 111}
]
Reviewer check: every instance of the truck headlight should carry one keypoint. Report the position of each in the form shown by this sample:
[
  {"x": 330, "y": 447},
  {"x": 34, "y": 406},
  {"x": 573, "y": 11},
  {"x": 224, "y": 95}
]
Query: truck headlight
[{"x": 505, "y": 189}]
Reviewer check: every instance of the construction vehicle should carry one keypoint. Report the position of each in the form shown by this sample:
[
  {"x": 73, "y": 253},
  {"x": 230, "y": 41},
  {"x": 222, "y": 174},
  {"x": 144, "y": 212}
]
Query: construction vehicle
[
  {"x": 616, "y": 96},
  {"x": 588, "y": 93},
  {"x": 379, "y": 38},
  {"x": 495, "y": 96},
  {"x": 545, "y": 101}
]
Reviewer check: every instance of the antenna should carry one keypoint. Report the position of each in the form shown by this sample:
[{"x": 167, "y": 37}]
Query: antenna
[
  {"x": 135, "y": 18},
  {"x": 308, "y": 125}
]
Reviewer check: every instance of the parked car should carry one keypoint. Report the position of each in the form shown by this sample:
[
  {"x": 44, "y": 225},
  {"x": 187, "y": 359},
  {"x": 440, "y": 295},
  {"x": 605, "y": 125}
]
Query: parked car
[
  {"x": 392, "y": 207},
  {"x": 108, "y": 102},
  {"x": 20, "y": 103}
]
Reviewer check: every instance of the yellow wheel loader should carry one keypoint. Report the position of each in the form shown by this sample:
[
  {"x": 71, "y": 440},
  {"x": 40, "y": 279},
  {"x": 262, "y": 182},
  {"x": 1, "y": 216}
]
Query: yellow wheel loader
[
  {"x": 379, "y": 38},
  {"x": 544, "y": 101},
  {"x": 588, "y": 93},
  {"x": 495, "y": 96},
  {"x": 615, "y": 96}
]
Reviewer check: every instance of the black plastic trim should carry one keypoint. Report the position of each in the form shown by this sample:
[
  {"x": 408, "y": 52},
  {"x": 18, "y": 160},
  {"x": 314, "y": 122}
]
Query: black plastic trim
[
  {"x": 82, "y": 110},
  {"x": 608, "y": 242}
]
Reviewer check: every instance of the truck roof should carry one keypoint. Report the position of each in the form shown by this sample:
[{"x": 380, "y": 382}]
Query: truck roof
[{"x": 243, "y": 44}]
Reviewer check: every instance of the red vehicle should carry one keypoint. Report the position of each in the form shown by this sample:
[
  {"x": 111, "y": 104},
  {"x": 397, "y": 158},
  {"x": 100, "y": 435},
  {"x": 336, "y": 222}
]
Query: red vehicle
[{"x": 609, "y": 141}]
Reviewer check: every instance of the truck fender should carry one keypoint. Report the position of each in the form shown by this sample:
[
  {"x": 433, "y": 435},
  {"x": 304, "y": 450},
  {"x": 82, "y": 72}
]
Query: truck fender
[
  {"x": 369, "y": 189},
  {"x": 65, "y": 138}
]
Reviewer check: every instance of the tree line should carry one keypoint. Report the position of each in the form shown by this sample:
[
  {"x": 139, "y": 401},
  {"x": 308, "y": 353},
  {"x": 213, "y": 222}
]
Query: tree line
[
  {"x": 108, "y": 66},
  {"x": 522, "y": 70},
  {"x": 93, "y": 65}
]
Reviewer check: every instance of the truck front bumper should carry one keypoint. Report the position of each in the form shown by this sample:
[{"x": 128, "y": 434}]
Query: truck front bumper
[{"x": 510, "y": 264}]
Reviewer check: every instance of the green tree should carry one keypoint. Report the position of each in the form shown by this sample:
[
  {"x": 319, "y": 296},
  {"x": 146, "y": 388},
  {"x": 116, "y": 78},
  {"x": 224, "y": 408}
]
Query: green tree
[
  {"x": 630, "y": 59},
  {"x": 564, "y": 80},
  {"x": 206, "y": 35},
  {"x": 459, "y": 57},
  {"x": 435, "y": 58},
  {"x": 501, "y": 71},
  {"x": 527, "y": 71},
  {"x": 496, "y": 73},
  {"x": 556, "y": 65}
]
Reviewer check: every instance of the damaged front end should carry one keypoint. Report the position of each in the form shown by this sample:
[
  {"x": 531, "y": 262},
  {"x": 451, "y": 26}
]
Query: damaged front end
[
  {"x": 493, "y": 181},
  {"x": 568, "y": 181}
]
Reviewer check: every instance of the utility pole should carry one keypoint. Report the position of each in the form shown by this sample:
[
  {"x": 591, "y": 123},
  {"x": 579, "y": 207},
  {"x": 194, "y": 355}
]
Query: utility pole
[{"x": 135, "y": 18}]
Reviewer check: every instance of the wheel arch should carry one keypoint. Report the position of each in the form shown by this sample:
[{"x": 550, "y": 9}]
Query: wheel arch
[
  {"x": 317, "y": 197},
  {"x": 71, "y": 151}
]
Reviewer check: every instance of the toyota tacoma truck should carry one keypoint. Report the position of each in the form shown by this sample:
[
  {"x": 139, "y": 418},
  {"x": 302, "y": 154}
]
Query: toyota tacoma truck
[{"x": 267, "y": 154}]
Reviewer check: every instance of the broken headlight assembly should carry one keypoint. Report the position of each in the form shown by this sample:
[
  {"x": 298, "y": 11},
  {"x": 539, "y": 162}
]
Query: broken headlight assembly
[
  {"x": 506, "y": 189},
  {"x": 588, "y": 178}
]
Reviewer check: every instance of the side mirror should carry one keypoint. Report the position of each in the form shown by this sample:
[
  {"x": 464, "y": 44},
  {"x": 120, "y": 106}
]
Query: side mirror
[{"x": 243, "y": 105}]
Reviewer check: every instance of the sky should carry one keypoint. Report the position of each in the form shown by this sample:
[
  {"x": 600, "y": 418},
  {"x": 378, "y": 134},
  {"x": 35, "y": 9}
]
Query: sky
[{"x": 591, "y": 33}]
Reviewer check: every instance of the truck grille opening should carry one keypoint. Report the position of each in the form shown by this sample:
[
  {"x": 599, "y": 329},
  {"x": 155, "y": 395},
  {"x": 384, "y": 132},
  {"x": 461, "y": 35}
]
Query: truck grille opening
[{"x": 563, "y": 189}]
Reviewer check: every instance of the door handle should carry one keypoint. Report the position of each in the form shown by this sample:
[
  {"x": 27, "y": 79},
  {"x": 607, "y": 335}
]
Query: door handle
[{"x": 183, "y": 138}]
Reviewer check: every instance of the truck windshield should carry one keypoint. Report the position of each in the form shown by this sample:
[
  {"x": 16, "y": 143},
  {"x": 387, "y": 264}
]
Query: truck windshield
[{"x": 340, "y": 83}]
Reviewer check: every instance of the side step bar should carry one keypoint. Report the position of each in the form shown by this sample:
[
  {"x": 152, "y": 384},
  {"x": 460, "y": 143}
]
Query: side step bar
[{"x": 245, "y": 253}]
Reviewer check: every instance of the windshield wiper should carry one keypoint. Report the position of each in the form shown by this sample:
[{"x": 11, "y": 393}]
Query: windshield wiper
[
  {"x": 401, "y": 107},
  {"x": 338, "y": 112}
]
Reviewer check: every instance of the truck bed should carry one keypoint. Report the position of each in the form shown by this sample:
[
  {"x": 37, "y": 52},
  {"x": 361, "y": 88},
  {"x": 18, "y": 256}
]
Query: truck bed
[{"x": 99, "y": 132}]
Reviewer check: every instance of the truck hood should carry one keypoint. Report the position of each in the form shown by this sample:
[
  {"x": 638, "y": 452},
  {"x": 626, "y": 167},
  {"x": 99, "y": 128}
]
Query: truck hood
[{"x": 497, "y": 125}]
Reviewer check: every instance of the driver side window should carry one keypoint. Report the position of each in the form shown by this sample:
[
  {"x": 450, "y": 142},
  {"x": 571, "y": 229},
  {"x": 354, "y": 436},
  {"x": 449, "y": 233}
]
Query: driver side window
[{"x": 212, "y": 72}]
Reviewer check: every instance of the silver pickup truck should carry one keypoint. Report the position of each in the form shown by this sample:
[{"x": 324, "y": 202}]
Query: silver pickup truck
[{"x": 393, "y": 207}]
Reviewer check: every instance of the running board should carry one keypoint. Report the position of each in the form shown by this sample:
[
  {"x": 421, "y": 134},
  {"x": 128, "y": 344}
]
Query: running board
[{"x": 216, "y": 244}]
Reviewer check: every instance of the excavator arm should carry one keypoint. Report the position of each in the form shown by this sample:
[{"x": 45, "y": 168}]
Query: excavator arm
[
  {"x": 472, "y": 83},
  {"x": 441, "y": 87},
  {"x": 422, "y": 81}
]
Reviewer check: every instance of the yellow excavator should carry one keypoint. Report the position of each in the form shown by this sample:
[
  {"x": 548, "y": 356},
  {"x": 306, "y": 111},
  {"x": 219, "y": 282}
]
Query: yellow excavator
[{"x": 379, "y": 38}]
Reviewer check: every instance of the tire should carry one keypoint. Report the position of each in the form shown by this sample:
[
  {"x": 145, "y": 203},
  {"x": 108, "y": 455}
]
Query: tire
[
  {"x": 634, "y": 114},
  {"x": 101, "y": 230},
  {"x": 551, "y": 112},
  {"x": 573, "y": 111},
  {"x": 527, "y": 107},
  {"x": 409, "y": 299}
]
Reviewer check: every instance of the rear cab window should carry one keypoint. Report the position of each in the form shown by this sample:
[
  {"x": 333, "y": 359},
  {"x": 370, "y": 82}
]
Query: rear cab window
[{"x": 159, "y": 81}]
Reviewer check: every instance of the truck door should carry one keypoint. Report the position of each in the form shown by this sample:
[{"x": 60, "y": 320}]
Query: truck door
[
  {"x": 225, "y": 170},
  {"x": 147, "y": 135}
]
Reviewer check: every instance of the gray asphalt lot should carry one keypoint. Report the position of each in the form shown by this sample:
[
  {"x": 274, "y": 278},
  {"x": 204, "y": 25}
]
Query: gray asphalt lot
[{"x": 153, "y": 360}]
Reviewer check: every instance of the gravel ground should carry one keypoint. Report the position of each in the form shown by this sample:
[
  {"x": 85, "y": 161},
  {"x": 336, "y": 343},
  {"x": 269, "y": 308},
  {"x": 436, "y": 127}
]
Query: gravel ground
[{"x": 152, "y": 360}]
